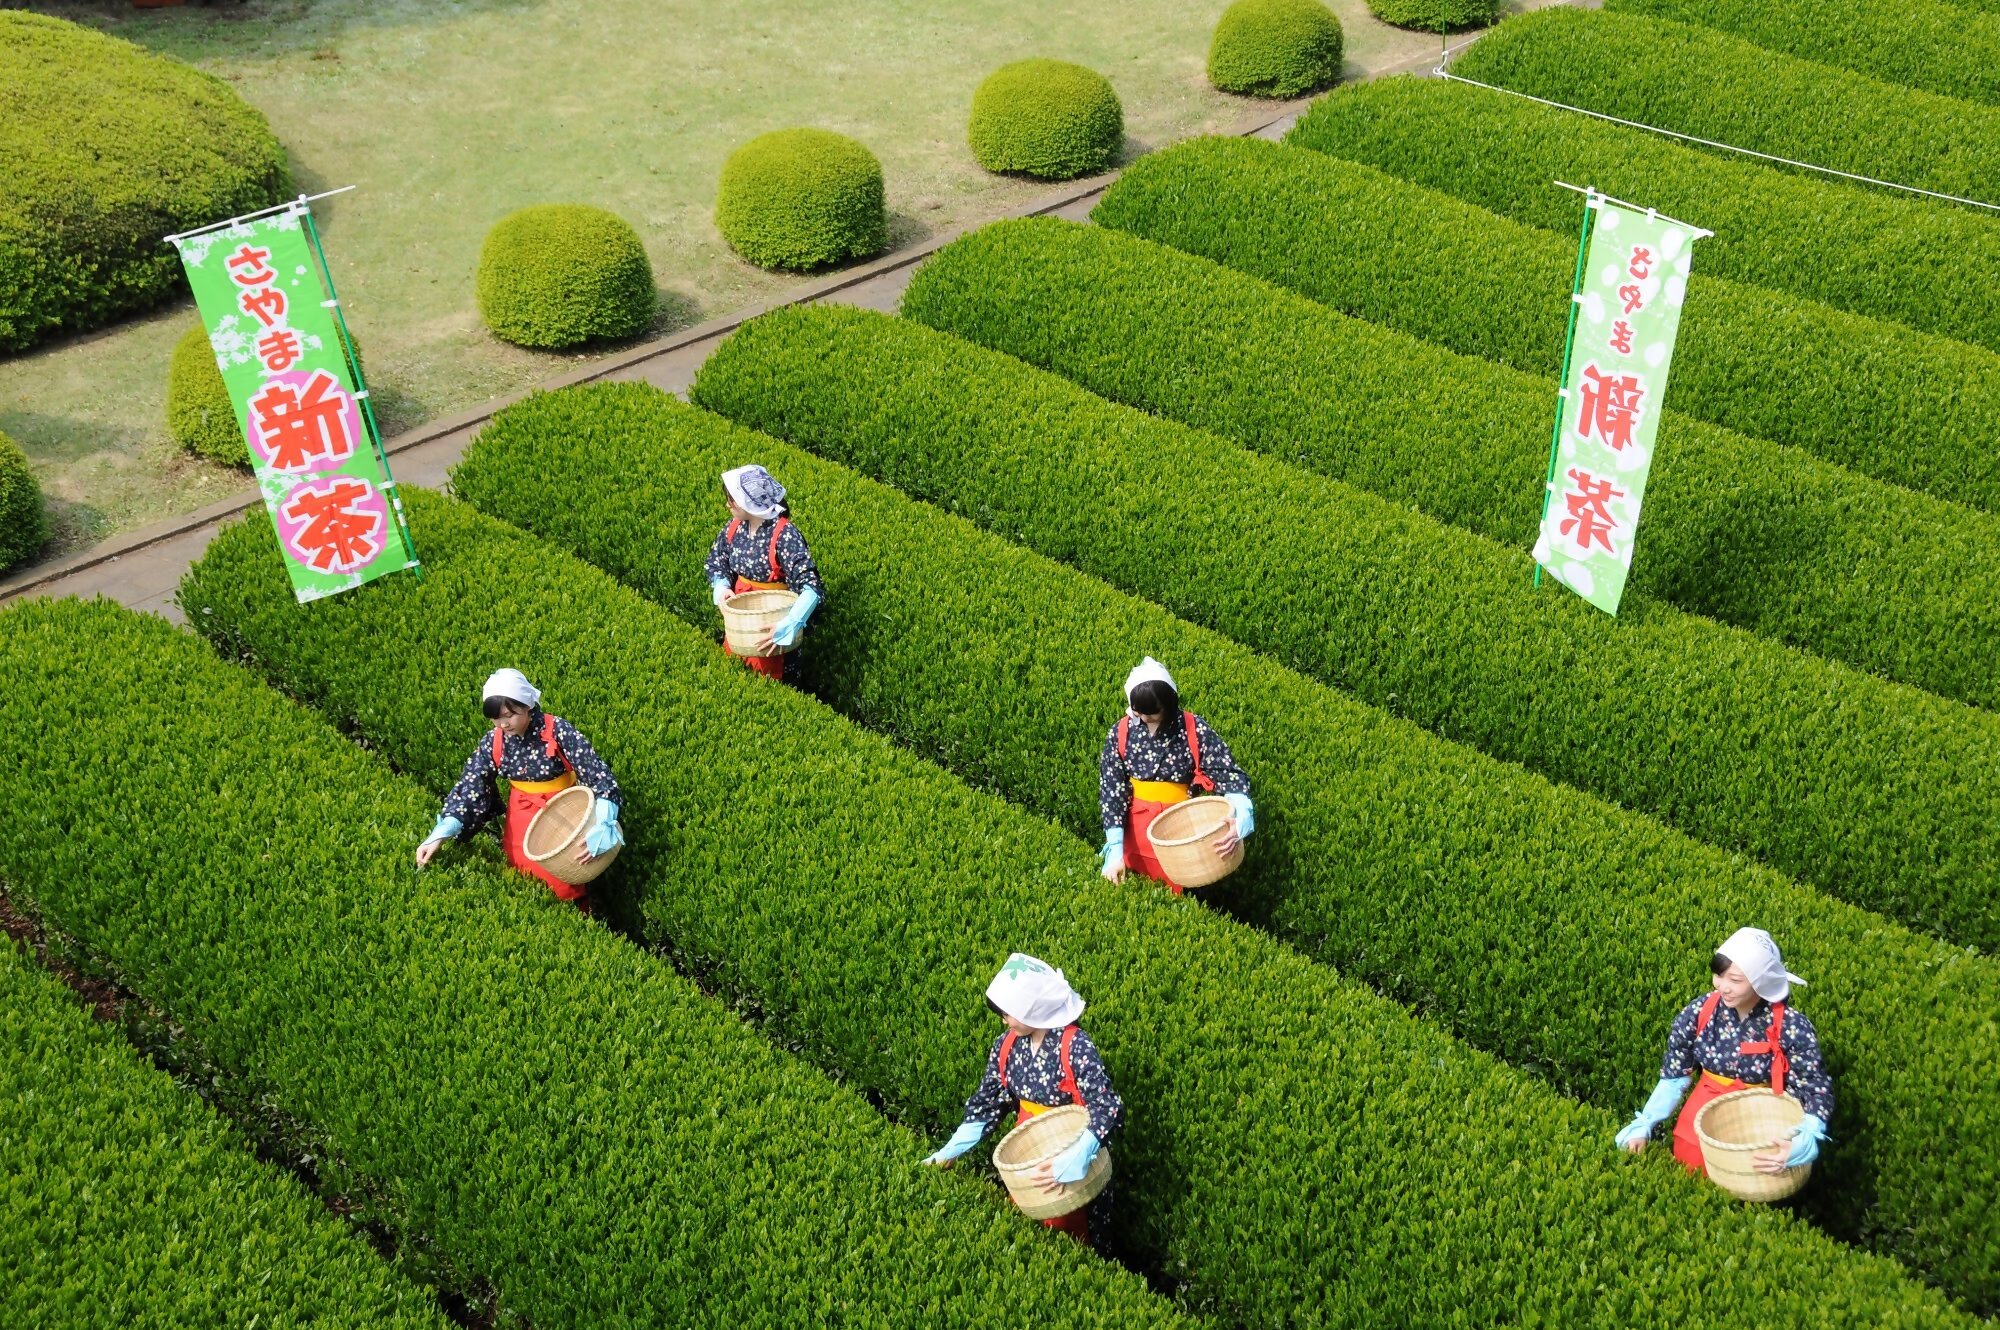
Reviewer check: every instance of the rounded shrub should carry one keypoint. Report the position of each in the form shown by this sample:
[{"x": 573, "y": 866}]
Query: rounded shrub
[
  {"x": 562, "y": 274},
  {"x": 1431, "y": 15},
  {"x": 1275, "y": 48},
  {"x": 1046, "y": 118},
  {"x": 200, "y": 419},
  {"x": 24, "y": 526},
  {"x": 802, "y": 198},
  {"x": 107, "y": 148}
]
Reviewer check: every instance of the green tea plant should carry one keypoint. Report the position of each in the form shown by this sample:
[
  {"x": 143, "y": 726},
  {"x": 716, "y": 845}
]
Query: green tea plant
[
  {"x": 1876, "y": 397},
  {"x": 537, "y": 1102},
  {"x": 1740, "y": 529},
  {"x": 1876, "y": 793},
  {"x": 127, "y": 1202},
  {"x": 1430, "y": 15},
  {"x": 1275, "y": 48},
  {"x": 802, "y": 198},
  {"x": 1046, "y": 118},
  {"x": 24, "y": 522},
  {"x": 1704, "y": 82},
  {"x": 558, "y": 275},
  {"x": 860, "y": 897},
  {"x": 1510, "y": 896},
  {"x": 1850, "y": 246}
]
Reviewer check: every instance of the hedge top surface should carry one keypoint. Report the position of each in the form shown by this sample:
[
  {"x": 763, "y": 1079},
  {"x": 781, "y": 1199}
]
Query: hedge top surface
[
  {"x": 127, "y": 1202},
  {"x": 802, "y": 198},
  {"x": 1046, "y": 118},
  {"x": 1530, "y": 894},
  {"x": 107, "y": 148},
  {"x": 1877, "y": 397},
  {"x": 24, "y": 522},
  {"x": 1429, "y": 15},
  {"x": 551, "y": 1108},
  {"x": 1860, "y": 249},
  {"x": 1700, "y": 81},
  {"x": 1275, "y": 48},
  {"x": 564, "y": 274},
  {"x": 873, "y": 892},
  {"x": 1928, "y": 44}
]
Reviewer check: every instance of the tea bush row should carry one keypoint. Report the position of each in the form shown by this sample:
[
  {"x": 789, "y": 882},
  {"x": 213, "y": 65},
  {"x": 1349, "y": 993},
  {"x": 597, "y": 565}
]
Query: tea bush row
[
  {"x": 1710, "y": 84},
  {"x": 540, "y": 1103},
  {"x": 1877, "y": 793},
  {"x": 1851, "y": 246},
  {"x": 1876, "y": 397},
  {"x": 1552, "y": 929},
  {"x": 1297, "y": 1150},
  {"x": 127, "y": 1202}
]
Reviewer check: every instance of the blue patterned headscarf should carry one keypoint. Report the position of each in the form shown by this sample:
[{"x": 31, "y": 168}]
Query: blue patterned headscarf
[{"x": 756, "y": 491}]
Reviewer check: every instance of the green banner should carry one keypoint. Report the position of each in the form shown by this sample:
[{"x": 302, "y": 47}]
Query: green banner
[
  {"x": 1632, "y": 276},
  {"x": 300, "y": 400}
]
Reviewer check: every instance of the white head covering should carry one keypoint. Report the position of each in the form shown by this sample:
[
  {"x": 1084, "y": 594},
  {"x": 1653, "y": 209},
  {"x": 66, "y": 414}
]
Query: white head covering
[
  {"x": 511, "y": 684},
  {"x": 1757, "y": 955},
  {"x": 1034, "y": 994},
  {"x": 1147, "y": 671},
  {"x": 756, "y": 491}
]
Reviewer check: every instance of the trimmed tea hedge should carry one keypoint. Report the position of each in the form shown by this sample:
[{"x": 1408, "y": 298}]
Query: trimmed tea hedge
[
  {"x": 1046, "y": 118},
  {"x": 1275, "y": 48},
  {"x": 1875, "y": 397},
  {"x": 1511, "y": 895},
  {"x": 200, "y": 418},
  {"x": 24, "y": 523},
  {"x": 1851, "y": 246},
  {"x": 1433, "y": 15},
  {"x": 860, "y": 896},
  {"x": 108, "y": 147},
  {"x": 563, "y": 274},
  {"x": 124, "y": 1201},
  {"x": 802, "y": 198},
  {"x": 1741, "y": 529},
  {"x": 1877, "y": 793},
  {"x": 1925, "y": 44},
  {"x": 1700, "y": 81}
]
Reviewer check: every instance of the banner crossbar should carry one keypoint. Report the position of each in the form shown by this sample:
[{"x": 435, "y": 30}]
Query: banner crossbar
[{"x": 300, "y": 202}]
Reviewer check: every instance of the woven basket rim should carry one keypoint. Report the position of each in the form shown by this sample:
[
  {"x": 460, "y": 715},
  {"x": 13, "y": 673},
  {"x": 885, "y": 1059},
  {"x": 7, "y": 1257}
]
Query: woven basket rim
[
  {"x": 568, "y": 841},
  {"x": 1174, "y": 842},
  {"x": 1747, "y": 1092}
]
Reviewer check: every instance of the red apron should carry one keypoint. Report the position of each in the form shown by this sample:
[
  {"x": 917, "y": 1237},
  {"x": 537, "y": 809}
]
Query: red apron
[
  {"x": 772, "y": 667},
  {"x": 525, "y": 798},
  {"x": 1708, "y": 1085},
  {"x": 1077, "y": 1222},
  {"x": 1150, "y": 798}
]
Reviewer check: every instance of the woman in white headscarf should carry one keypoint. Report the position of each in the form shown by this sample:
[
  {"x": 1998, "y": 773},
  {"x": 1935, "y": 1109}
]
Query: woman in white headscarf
[
  {"x": 761, "y": 550},
  {"x": 1742, "y": 1033},
  {"x": 537, "y": 754},
  {"x": 1043, "y": 1060},
  {"x": 1158, "y": 755}
]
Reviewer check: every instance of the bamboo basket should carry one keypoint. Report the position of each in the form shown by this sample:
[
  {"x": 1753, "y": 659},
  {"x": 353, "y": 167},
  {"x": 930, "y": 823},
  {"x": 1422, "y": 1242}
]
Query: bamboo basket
[
  {"x": 748, "y": 615},
  {"x": 557, "y": 829},
  {"x": 1735, "y": 1127},
  {"x": 1183, "y": 838},
  {"x": 1040, "y": 1138}
]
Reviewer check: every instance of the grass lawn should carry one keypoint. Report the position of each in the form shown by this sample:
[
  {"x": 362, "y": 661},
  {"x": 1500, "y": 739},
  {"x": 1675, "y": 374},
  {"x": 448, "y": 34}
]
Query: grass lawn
[{"x": 450, "y": 113}]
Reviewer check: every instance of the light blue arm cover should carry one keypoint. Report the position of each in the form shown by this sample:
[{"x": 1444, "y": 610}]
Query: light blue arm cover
[
  {"x": 1659, "y": 1107},
  {"x": 787, "y": 631},
  {"x": 1246, "y": 813},
  {"x": 967, "y": 1136},
  {"x": 1074, "y": 1162}
]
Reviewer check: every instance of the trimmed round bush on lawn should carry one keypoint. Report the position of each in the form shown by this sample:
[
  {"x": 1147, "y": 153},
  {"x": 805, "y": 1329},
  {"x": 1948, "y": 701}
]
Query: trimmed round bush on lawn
[
  {"x": 802, "y": 198},
  {"x": 562, "y": 274},
  {"x": 107, "y": 148},
  {"x": 1275, "y": 48},
  {"x": 1430, "y": 15},
  {"x": 200, "y": 419},
  {"x": 23, "y": 524},
  {"x": 1046, "y": 118}
]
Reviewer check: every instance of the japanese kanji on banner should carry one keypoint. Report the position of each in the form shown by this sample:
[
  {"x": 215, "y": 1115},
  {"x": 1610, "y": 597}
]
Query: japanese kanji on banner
[
  {"x": 299, "y": 401},
  {"x": 1631, "y": 280}
]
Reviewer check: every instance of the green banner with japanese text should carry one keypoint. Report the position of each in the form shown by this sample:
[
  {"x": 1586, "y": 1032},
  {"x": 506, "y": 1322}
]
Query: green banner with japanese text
[
  {"x": 1626, "y": 311},
  {"x": 300, "y": 400}
]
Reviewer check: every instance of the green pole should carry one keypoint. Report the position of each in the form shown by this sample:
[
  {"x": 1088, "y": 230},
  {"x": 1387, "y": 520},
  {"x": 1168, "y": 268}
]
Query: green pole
[
  {"x": 1569, "y": 346},
  {"x": 361, "y": 390}
]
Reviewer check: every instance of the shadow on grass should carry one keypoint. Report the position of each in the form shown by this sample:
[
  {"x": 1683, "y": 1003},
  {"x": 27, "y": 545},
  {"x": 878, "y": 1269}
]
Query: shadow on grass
[{"x": 239, "y": 29}]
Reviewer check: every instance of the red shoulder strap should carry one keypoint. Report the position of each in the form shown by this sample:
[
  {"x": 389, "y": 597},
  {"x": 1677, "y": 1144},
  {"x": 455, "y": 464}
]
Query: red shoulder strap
[
  {"x": 777, "y": 530},
  {"x": 549, "y": 744},
  {"x": 735, "y": 525},
  {"x": 1707, "y": 1013},
  {"x": 496, "y": 747},
  {"x": 1124, "y": 730},
  {"x": 1200, "y": 781},
  {"x": 1772, "y": 1043},
  {"x": 1069, "y": 1084},
  {"x": 1006, "y": 1051}
]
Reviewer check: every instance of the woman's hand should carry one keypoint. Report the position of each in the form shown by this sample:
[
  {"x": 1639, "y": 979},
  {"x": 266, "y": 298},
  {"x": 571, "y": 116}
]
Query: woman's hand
[
  {"x": 935, "y": 1162},
  {"x": 1773, "y": 1159},
  {"x": 1225, "y": 844},
  {"x": 1044, "y": 1176},
  {"x": 425, "y": 851}
]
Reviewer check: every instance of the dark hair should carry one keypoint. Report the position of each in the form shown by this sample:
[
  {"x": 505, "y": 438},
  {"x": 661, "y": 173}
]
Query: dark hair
[
  {"x": 1719, "y": 964},
  {"x": 994, "y": 1007},
  {"x": 491, "y": 706},
  {"x": 1156, "y": 697}
]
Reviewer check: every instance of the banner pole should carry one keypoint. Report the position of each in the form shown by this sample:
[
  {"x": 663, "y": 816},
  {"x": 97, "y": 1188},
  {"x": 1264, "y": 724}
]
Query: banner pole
[
  {"x": 361, "y": 388},
  {"x": 1562, "y": 383}
]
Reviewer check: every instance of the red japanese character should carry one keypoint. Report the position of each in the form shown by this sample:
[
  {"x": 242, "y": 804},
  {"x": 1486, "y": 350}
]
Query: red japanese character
[
  {"x": 279, "y": 350},
  {"x": 1621, "y": 337},
  {"x": 335, "y": 534},
  {"x": 266, "y": 302},
  {"x": 299, "y": 425},
  {"x": 1610, "y": 406},
  {"x": 1633, "y": 297},
  {"x": 1641, "y": 265},
  {"x": 251, "y": 261},
  {"x": 1588, "y": 516}
]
